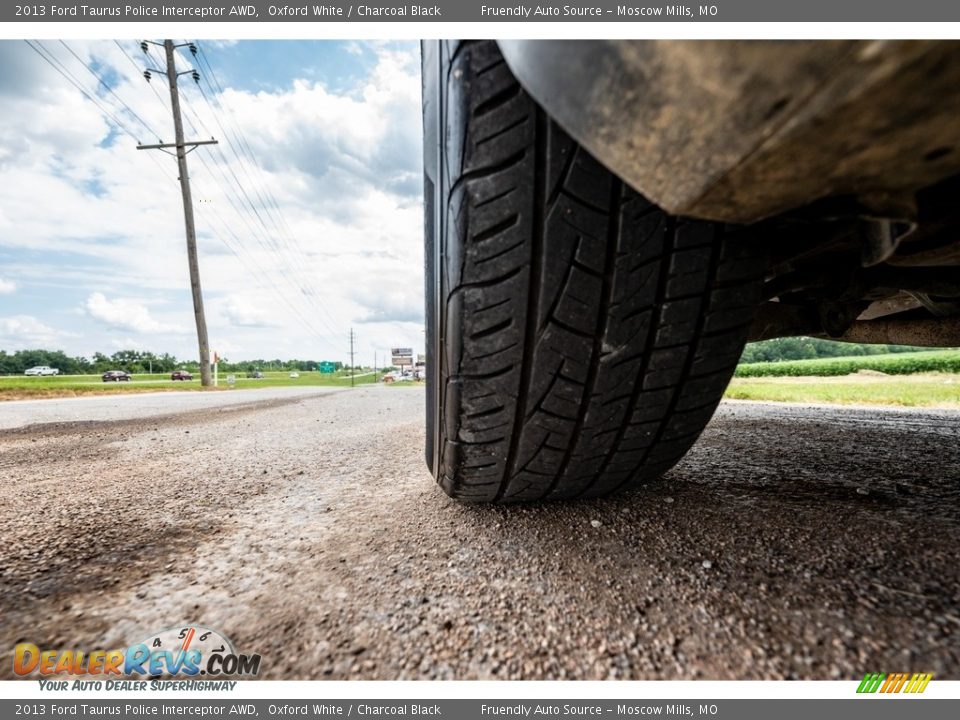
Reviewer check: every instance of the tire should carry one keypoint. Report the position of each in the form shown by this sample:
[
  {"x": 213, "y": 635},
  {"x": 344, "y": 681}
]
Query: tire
[{"x": 578, "y": 337}]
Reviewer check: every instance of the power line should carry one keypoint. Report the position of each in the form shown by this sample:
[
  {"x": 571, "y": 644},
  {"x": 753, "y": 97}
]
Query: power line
[
  {"x": 265, "y": 241},
  {"x": 53, "y": 62},
  {"x": 70, "y": 78},
  {"x": 266, "y": 238},
  {"x": 257, "y": 235},
  {"x": 110, "y": 90},
  {"x": 287, "y": 235},
  {"x": 284, "y": 232},
  {"x": 279, "y": 292},
  {"x": 270, "y": 226}
]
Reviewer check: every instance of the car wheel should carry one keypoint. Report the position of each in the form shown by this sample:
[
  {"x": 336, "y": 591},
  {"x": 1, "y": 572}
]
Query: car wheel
[{"x": 578, "y": 337}]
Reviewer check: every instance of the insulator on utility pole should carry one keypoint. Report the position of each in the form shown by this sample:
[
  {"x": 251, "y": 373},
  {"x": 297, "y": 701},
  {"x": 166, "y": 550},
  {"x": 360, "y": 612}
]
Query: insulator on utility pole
[{"x": 180, "y": 146}]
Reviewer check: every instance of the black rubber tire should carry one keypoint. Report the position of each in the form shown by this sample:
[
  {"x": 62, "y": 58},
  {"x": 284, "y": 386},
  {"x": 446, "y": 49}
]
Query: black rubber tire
[{"x": 579, "y": 338}]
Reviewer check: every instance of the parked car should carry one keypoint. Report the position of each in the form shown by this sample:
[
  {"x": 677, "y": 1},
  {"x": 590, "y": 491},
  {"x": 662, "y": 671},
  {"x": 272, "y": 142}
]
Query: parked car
[
  {"x": 397, "y": 376},
  {"x": 610, "y": 221},
  {"x": 256, "y": 374},
  {"x": 181, "y": 375},
  {"x": 294, "y": 374},
  {"x": 116, "y": 376},
  {"x": 41, "y": 370}
]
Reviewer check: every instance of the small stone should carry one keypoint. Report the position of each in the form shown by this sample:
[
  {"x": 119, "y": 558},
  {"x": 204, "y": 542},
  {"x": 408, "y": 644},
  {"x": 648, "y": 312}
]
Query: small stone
[
  {"x": 596, "y": 523},
  {"x": 706, "y": 564},
  {"x": 862, "y": 491},
  {"x": 668, "y": 499}
]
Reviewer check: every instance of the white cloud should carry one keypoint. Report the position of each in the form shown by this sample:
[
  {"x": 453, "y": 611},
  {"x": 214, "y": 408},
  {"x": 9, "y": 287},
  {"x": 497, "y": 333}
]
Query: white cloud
[
  {"x": 126, "y": 314},
  {"x": 7, "y": 287},
  {"x": 243, "y": 312},
  {"x": 25, "y": 330}
]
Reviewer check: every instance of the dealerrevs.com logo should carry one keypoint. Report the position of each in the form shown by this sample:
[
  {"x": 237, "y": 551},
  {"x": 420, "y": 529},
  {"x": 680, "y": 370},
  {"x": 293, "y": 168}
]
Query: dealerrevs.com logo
[{"x": 189, "y": 651}]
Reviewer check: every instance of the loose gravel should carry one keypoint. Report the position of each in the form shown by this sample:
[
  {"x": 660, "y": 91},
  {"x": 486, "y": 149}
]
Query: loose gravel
[{"x": 792, "y": 542}]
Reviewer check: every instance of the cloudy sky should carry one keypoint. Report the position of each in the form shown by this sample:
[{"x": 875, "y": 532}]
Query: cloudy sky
[{"x": 309, "y": 212}]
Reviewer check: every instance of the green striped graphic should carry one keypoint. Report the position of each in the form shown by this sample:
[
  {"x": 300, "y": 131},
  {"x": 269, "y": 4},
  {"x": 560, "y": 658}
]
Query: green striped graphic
[{"x": 871, "y": 682}]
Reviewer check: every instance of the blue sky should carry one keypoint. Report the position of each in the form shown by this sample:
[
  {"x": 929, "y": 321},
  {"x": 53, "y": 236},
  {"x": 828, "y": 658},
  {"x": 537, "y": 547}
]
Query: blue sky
[{"x": 309, "y": 212}]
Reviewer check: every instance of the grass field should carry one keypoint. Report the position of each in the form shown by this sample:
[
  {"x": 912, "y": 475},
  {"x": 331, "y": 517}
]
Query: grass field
[
  {"x": 945, "y": 361},
  {"x": 22, "y": 387},
  {"x": 870, "y": 380},
  {"x": 941, "y": 390}
]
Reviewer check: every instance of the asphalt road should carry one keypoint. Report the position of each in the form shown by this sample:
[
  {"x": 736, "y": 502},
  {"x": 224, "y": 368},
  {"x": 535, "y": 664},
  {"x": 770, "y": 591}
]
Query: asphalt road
[
  {"x": 133, "y": 406},
  {"x": 790, "y": 543}
]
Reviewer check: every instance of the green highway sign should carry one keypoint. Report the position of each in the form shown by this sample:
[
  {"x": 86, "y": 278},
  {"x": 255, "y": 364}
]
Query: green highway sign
[{"x": 328, "y": 367}]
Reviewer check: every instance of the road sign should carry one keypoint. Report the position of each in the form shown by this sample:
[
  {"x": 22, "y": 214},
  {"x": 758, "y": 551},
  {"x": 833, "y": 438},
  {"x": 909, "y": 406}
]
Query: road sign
[
  {"x": 401, "y": 352},
  {"x": 328, "y": 367},
  {"x": 400, "y": 360}
]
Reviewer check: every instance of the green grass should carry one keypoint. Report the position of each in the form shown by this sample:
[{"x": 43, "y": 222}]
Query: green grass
[
  {"x": 22, "y": 387},
  {"x": 945, "y": 361},
  {"x": 929, "y": 390}
]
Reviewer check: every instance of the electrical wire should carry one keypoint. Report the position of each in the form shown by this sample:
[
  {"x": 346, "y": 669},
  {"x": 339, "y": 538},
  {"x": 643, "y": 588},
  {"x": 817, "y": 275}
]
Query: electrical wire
[
  {"x": 53, "y": 62},
  {"x": 103, "y": 82},
  {"x": 287, "y": 235}
]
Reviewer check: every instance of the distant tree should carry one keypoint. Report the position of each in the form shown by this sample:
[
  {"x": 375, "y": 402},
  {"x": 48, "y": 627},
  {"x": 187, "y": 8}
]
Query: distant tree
[{"x": 803, "y": 348}]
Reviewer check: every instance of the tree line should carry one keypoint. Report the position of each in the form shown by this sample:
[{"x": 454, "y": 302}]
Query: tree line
[
  {"x": 806, "y": 348},
  {"x": 135, "y": 361}
]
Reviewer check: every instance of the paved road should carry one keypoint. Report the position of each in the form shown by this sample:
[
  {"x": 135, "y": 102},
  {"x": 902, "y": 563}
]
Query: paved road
[
  {"x": 791, "y": 543},
  {"x": 18, "y": 413}
]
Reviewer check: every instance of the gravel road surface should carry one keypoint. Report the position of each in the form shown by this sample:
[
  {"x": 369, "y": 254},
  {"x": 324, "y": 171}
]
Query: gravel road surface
[{"x": 793, "y": 542}]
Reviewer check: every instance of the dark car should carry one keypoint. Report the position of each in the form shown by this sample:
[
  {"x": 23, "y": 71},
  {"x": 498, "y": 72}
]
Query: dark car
[
  {"x": 180, "y": 375},
  {"x": 116, "y": 376},
  {"x": 255, "y": 374},
  {"x": 608, "y": 222}
]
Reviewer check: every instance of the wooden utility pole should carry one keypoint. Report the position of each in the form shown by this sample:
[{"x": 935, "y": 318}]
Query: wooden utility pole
[{"x": 180, "y": 146}]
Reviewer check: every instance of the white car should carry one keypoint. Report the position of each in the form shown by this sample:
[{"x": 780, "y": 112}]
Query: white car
[
  {"x": 294, "y": 374},
  {"x": 41, "y": 370}
]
